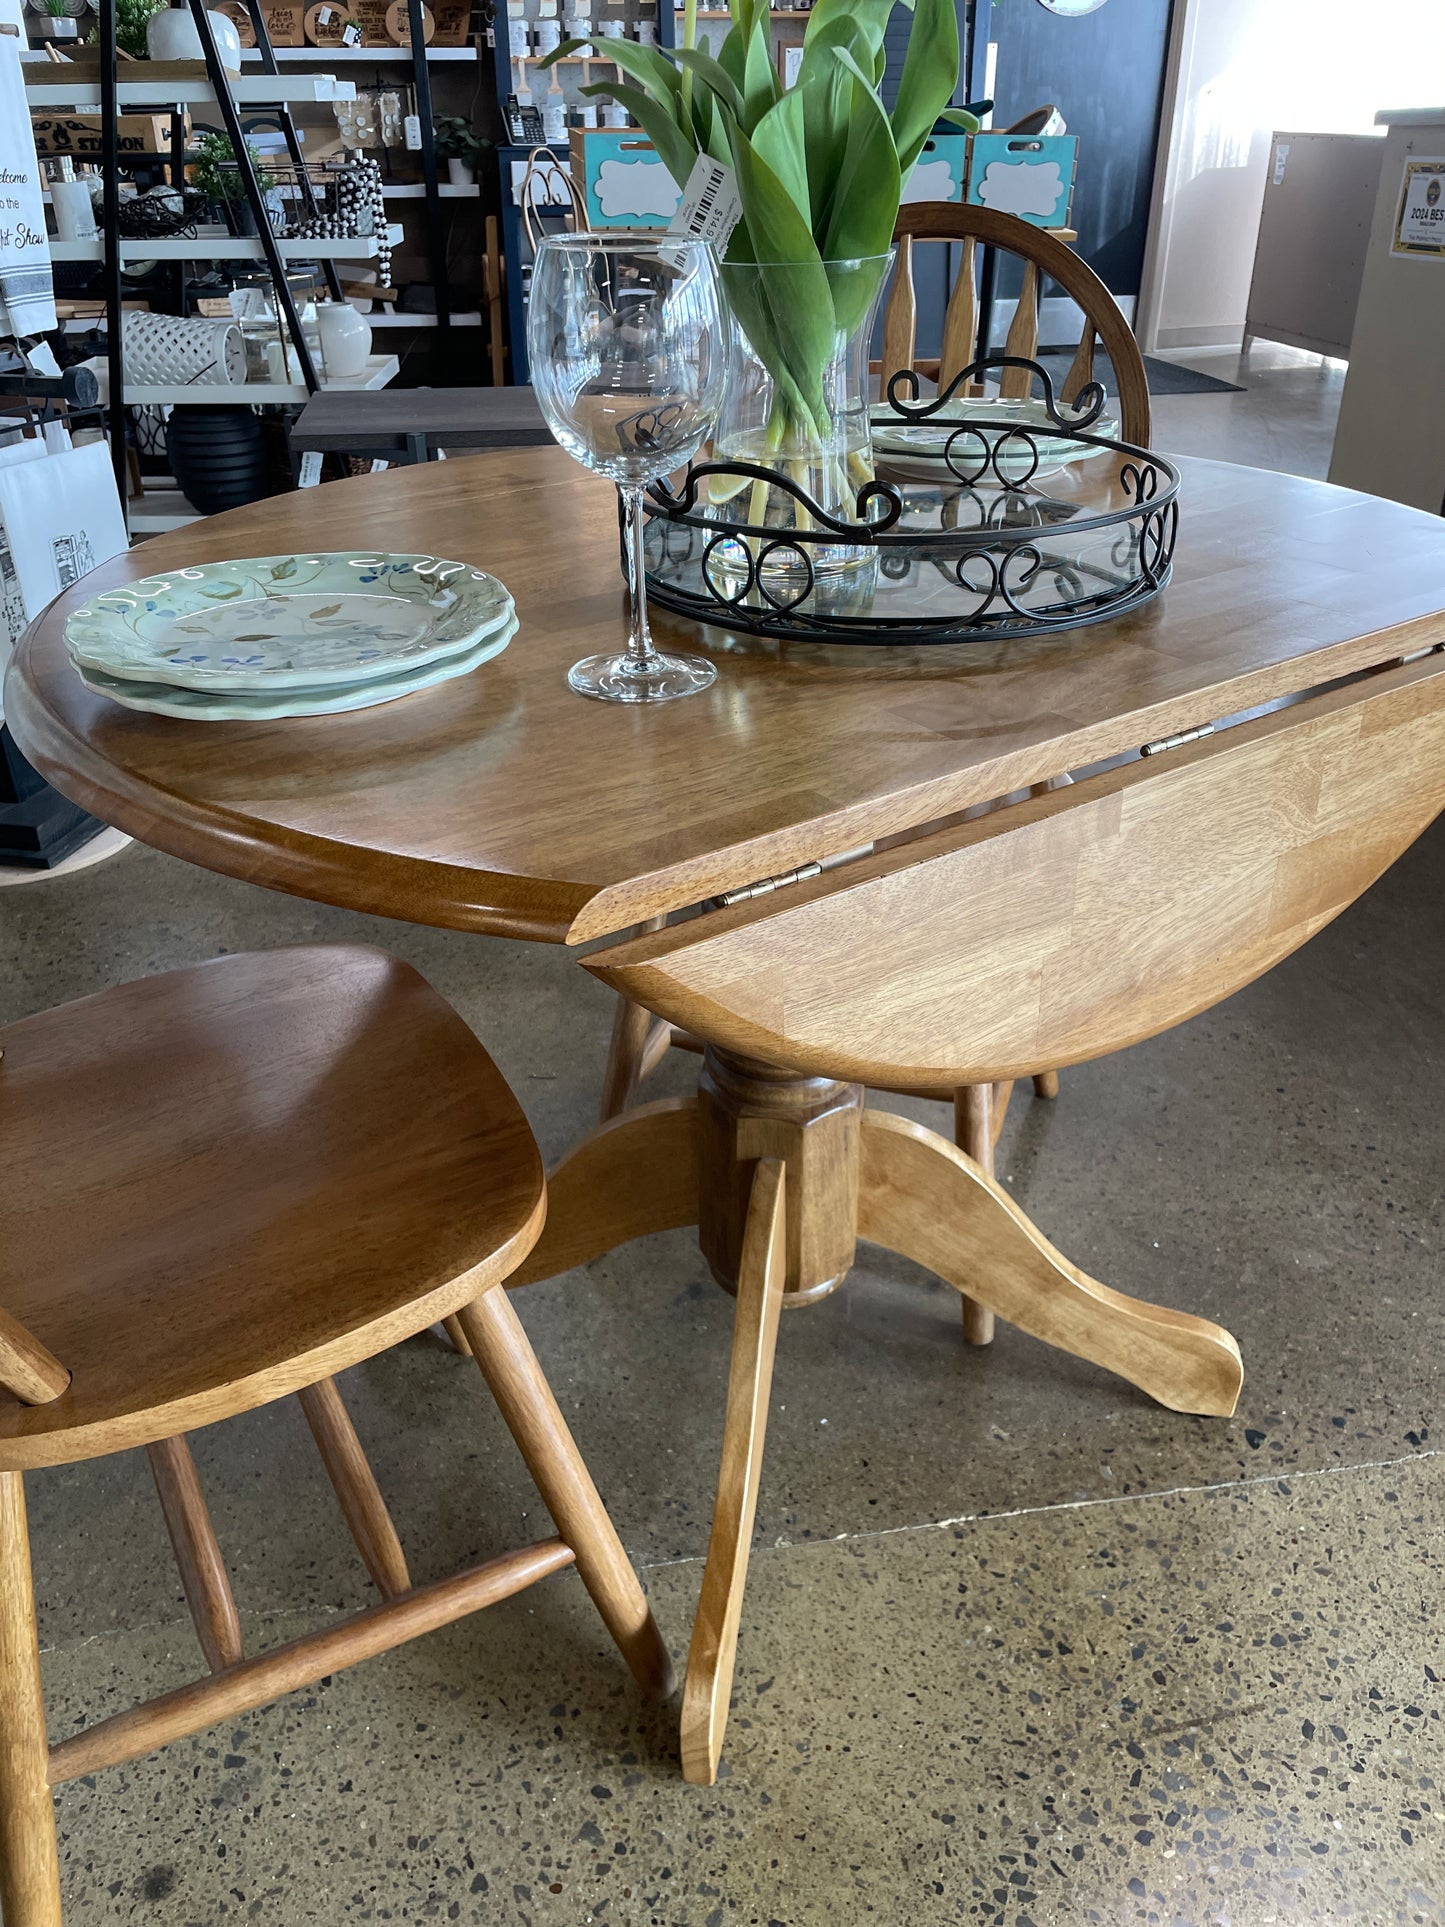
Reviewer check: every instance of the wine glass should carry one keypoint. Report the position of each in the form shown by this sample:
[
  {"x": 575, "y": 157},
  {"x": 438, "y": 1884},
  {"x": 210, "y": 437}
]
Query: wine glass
[{"x": 625, "y": 337}]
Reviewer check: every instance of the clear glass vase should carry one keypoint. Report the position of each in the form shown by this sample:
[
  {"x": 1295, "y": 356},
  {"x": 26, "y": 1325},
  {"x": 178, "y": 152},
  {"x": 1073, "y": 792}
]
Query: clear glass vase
[{"x": 796, "y": 403}]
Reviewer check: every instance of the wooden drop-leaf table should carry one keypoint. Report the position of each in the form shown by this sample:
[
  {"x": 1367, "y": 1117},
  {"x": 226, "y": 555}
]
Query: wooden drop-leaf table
[{"x": 962, "y": 929}]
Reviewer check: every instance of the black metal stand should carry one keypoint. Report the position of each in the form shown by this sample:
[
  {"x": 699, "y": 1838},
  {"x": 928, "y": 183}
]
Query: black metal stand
[
  {"x": 287, "y": 124},
  {"x": 255, "y": 199},
  {"x": 436, "y": 229},
  {"x": 110, "y": 206},
  {"x": 39, "y": 828}
]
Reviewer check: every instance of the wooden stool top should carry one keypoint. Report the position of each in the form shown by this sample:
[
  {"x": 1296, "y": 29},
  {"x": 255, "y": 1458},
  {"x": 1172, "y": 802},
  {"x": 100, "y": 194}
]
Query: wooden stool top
[{"x": 230, "y": 1181}]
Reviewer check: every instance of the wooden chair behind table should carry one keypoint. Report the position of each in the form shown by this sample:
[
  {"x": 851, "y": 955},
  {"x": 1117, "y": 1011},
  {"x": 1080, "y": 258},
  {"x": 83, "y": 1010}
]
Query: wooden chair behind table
[
  {"x": 223, "y": 1186},
  {"x": 639, "y": 1041}
]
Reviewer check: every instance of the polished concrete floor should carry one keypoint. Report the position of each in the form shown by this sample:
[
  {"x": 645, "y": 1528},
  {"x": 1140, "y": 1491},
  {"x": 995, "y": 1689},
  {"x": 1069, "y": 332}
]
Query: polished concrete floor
[
  {"x": 1019, "y": 1646},
  {"x": 1283, "y": 418}
]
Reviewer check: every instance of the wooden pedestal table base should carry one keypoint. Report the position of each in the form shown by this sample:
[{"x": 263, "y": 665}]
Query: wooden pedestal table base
[{"x": 782, "y": 1174}]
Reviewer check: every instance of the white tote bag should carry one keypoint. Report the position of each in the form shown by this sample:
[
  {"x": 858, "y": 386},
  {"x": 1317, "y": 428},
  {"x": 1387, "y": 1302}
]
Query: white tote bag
[{"x": 60, "y": 515}]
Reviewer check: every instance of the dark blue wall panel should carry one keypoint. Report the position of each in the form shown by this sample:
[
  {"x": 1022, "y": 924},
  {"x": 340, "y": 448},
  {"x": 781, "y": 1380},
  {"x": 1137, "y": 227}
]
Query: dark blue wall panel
[{"x": 1105, "y": 73}]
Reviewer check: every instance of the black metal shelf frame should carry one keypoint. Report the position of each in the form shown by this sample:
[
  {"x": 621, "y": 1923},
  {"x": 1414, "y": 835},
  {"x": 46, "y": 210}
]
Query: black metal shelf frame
[{"x": 280, "y": 114}]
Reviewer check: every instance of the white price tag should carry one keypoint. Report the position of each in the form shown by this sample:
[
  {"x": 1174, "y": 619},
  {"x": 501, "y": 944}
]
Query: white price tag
[
  {"x": 351, "y": 34},
  {"x": 710, "y": 208},
  {"x": 39, "y": 358},
  {"x": 310, "y": 468},
  {"x": 378, "y": 466},
  {"x": 412, "y": 124}
]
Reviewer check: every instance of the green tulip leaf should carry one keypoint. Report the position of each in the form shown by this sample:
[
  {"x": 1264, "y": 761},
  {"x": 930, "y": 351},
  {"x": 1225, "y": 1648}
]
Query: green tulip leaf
[
  {"x": 761, "y": 82},
  {"x": 793, "y": 294},
  {"x": 644, "y": 64},
  {"x": 870, "y": 17},
  {"x": 717, "y": 77},
  {"x": 930, "y": 74},
  {"x": 778, "y": 139},
  {"x": 676, "y": 149}
]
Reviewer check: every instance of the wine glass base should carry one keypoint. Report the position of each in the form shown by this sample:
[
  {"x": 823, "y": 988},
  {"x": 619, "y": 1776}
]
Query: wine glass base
[{"x": 617, "y": 679}]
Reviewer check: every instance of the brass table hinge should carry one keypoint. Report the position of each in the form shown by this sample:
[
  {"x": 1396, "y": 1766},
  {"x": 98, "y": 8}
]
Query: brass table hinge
[
  {"x": 1177, "y": 742},
  {"x": 766, "y": 885}
]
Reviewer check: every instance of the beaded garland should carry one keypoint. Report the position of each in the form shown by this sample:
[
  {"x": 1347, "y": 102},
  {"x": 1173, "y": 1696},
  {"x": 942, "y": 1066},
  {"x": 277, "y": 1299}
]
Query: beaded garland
[{"x": 356, "y": 189}]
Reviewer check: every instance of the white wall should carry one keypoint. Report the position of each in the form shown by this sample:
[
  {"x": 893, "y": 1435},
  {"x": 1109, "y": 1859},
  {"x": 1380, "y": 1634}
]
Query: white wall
[{"x": 1239, "y": 70}]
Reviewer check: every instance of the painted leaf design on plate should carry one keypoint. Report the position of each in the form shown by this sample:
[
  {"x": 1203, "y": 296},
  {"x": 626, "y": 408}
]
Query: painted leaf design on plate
[
  {"x": 284, "y": 569},
  {"x": 331, "y": 609},
  {"x": 226, "y": 593}
]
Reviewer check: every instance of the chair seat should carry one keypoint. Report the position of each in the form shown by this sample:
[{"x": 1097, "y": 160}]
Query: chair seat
[{"x": 228, "y": 1182}]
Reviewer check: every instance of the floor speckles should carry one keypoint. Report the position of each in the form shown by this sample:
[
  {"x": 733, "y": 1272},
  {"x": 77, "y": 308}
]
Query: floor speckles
[{"x": 1019, "y": 1648}]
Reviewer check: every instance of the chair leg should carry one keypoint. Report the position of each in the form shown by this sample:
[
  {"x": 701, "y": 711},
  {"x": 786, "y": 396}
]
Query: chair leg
[
  {"x": 29, "y": 1862},
  {"x": 198, "y": 1556},
  {"x": 355, "y": 1485},
  {"x": 457, "y": 1336},
  {"x": 525, "y": 1400},
  {"x": 973, "y": 1133}
]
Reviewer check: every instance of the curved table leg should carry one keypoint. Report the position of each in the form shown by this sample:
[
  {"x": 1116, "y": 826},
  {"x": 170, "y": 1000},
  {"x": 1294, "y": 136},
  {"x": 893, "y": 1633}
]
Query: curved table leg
[
  {"x": 977, "y": 1121},
  {"x": 755, "y": 1335},
  {"x": 921, "y": 1197},
  {"x": 636, "y": 1173}
]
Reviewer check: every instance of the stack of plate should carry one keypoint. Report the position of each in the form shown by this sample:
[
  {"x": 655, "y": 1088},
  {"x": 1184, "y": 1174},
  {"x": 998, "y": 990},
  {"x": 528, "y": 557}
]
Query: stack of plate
[
  {"x": 288, "y": 635},
  {"x": 1003, "y": 440}
]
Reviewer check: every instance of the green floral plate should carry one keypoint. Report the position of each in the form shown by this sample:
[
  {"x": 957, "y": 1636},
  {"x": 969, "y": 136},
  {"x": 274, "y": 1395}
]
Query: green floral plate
[
  {"x": 274, "y": 622},
  {"x": 993, "y": 446},
  {"x": 239, "y": 705}
]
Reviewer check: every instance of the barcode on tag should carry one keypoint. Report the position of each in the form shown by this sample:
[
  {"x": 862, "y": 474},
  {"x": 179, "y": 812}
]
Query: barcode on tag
[
  {"x": 709, "y": 209},
  {"x": 310, "y": 469}
]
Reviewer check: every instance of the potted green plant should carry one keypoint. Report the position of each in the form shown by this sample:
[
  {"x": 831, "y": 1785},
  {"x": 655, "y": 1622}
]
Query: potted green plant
[
  {"x": 132, "y": 17},
  {"x": 53, "y": 21},
  {"x": 459, "y": 147},
  {"x": 819, "y": 168},
  {"x": 214, "y": 172}
]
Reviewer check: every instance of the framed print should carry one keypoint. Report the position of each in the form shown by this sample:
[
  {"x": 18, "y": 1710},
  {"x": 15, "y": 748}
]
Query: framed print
[
  {"x": 790, "y": 59},
  {"x": 1420, "y": 211}
]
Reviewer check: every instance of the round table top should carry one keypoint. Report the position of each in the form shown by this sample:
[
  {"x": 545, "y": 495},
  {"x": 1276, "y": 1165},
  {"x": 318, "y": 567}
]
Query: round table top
[{"x": 503, "y": 802}]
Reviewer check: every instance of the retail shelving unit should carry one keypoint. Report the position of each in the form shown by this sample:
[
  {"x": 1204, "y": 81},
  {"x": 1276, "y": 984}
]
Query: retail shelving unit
[{"x": 513, "y": 65}]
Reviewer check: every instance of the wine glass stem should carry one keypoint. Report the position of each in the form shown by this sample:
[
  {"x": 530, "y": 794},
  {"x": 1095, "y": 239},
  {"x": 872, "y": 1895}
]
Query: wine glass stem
[{"x": 640, "y": 652}]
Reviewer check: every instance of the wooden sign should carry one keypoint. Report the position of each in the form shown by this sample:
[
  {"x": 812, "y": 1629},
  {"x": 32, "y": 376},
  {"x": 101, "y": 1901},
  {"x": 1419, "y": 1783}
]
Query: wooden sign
[
  {"x": 398, "y": 23},
  {"x": 330, "y": 24},
  {"x": 372, "y": 15},
  {"x": 285, "y": 22},
  {"x": 453, "y": 17},
  {"x": 239, "y": 15},
  {"x": 80, "y": 134}
]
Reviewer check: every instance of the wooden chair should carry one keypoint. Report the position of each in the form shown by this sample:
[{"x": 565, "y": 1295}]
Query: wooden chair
[
  {"x": 638, "y": 1040},
  {"x": 223, "y": 1186},
  {"x": 1045, "y": 258}
]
